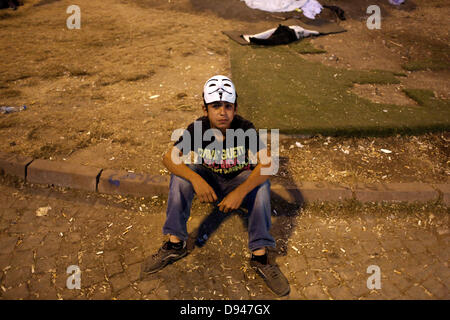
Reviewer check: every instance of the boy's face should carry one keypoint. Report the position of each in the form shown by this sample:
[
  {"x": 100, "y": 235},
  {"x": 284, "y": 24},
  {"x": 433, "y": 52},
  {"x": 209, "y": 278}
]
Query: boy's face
[{"x": 220, "y": 114}]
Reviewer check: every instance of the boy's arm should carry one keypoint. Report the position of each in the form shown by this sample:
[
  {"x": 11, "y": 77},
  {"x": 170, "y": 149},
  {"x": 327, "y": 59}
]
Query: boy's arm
[
  {"x": 203, "y": 190},
  {"x": 234, "y": 199}
]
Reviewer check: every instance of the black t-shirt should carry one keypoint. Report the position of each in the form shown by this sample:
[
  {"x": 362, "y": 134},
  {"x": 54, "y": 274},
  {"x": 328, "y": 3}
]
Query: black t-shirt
[{"x": 226, "y": 158}]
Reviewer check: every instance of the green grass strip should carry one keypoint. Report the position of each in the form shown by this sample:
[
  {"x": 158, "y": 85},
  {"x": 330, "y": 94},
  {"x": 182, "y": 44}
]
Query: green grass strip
[{"x": 279, "y": 89}]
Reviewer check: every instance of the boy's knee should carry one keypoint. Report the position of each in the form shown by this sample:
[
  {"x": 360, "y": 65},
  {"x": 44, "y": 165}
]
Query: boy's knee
[
  {"x": 180, "y": 183},
  {"x": 264, "y": 188}
]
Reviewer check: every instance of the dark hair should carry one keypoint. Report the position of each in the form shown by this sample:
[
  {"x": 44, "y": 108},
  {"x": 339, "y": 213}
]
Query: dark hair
[{"x": 206, "y": 104}]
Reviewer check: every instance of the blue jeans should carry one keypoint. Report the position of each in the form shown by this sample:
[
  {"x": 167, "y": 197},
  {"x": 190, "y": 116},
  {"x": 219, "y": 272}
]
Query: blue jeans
[{"x": 257, "y": 202}]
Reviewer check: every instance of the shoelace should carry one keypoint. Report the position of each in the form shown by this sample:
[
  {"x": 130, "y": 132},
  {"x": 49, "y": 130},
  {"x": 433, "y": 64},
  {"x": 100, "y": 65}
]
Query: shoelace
[
  {"x": 155, "y": 255},
  {"x": 164, "y": 247},
  {"x": 271, "y": 270}
]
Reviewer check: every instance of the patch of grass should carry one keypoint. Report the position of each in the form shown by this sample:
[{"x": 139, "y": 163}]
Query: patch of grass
[
  {"x": 181, "y": 95},
  {"x": 110, "y": 79},
  {"x": 53, "y": 71},
  {"x": 18, "y": 77},
  {"x": 372, "y": 77},
  {"x": 5, "y": 15},
  {"x": 104, "y": 42},
  {"x": 126, "y": 140},
  {"x": 8, "y": 122},
  {"x": 279, "y": 89},
  {"x": 46, "y": 151},
  {"x": 100, "y": 133},
  {"x": 139, "y": 76},
  {"x": 218, "y": 50},
  {"x": 105, "y": 83},
  {"x": 83, "y": 143},
  {"x": 32, "y": 134},
  {"x": 185, "y": 107},
  {"x": 44, "y": 2},
  {"x": 305, "y": 47},
  {"x": 429, "y": 53},
  {"x": 421, "y": 96},
  {"x": 32, "y": 83},
  {"x": 79, "y": 72},
  {"x": 98, "y": 97},
  {"x": 10, "y": 93},
  {"x": 426, "y": 64}
]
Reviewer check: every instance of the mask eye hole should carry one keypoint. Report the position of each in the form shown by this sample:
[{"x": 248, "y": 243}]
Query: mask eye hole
[
  {"x": 227, "y": 85},
  {"x": 212, "y": 85}
]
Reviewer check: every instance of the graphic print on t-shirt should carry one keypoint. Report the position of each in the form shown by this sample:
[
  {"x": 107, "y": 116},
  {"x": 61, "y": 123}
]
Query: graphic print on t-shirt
[
  {"x": 228, "y": 157},
  {"x": 224, "y": 161}
]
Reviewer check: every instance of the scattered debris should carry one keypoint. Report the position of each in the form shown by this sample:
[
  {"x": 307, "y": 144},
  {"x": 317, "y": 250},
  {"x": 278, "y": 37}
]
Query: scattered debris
[
  {"x": 8, "y": 109},
  {"x": 43, "y": 211}
]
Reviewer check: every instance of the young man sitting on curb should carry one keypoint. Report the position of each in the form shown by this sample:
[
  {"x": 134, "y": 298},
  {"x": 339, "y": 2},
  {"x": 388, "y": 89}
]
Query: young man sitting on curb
[{"x": 223, "y": 175}]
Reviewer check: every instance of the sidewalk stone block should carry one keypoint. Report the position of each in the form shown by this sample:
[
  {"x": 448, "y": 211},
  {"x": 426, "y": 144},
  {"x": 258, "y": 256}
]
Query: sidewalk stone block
[
  {"x": 315, "y": 292},
  {"x": 418, "y": 293},
  {"x": 7, "y": 244},
  {"x": 438, "y": 290},
  {"x": 133, "y": 272},
  {"x": 341, "y": 293},
  {"x": 63, "y": 174},
  {"x": 394, "y": 192},
  {"x": 312, "y": 191},
  {"x": 14, "y": 164},
  {"x": 119, "y": 282},
  {"x": 17, "y": 293},
  {"x": 128, "y": 183}
]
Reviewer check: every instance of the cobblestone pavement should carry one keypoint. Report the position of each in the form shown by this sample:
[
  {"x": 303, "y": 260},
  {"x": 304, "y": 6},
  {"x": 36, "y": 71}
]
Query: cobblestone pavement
[{"x": 323, "y": 249}]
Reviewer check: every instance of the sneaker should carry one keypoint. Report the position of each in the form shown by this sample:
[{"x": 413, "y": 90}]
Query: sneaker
[
  {"x": 165, "y": 255},
  {"x": 272, "y": 275}
]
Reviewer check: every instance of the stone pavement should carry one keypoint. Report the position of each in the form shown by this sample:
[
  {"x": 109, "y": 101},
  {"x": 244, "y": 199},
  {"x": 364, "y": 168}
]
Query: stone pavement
[{"x": 324, "y": 249}]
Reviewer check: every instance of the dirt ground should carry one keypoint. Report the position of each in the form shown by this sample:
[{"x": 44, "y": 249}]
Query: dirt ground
[{"x": 111, "y": 93}]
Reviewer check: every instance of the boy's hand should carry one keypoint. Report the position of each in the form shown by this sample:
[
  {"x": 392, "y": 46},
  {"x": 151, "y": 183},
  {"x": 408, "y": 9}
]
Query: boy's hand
[
  {"x": 231, "y": 202},
  {"x": 203, "y": 190}
]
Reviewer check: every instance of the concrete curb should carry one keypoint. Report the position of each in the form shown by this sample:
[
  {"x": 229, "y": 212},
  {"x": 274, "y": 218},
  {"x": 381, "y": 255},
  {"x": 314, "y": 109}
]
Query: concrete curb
[
  {"x": 408, "y": 192},
  {"x": 143, "y": 184},
  {"x": 313, "y": 191},
  {"x": 13, "y": 164},
  {"x": 138, "y": 184},
  {"x": 63, "y": 174}
]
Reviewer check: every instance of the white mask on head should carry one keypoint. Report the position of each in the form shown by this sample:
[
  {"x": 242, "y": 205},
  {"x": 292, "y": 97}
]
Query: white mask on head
[{"x": 219, "y": 88}]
